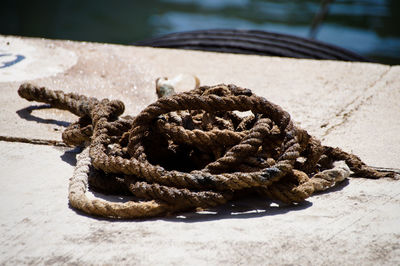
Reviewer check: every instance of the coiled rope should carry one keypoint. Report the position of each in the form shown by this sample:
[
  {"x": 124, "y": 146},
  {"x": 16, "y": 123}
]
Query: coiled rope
[{"x": 192, "y": 150}]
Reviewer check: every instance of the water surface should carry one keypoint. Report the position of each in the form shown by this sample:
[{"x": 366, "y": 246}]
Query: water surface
[{"x": 368, "y": 27}]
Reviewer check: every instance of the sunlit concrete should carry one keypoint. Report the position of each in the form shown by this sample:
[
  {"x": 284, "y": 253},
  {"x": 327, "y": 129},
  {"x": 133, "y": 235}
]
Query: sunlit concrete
[{"x": 350, "y": 105}]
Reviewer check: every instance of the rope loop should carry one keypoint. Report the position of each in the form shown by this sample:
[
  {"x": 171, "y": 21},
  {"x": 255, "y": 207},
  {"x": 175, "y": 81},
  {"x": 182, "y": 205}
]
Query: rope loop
[{"x": 195, "y": 149}]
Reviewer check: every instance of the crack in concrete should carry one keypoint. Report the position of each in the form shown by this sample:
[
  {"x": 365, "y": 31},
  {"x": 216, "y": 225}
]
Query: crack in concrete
[
  {"x": 347, "y": 111},
  {"x": 357, "y": 220},
  {"x": 49, "y": 142}
]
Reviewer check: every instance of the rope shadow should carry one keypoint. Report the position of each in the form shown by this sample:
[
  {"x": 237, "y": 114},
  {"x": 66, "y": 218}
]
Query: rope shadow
[
  {"x": 240, "y": 209},
  {"x": 252, "y": 207},
  {"x": 26, "y": 113},
  {"x": 69, "y": 156},
  {"x": 237, "y": 209}
]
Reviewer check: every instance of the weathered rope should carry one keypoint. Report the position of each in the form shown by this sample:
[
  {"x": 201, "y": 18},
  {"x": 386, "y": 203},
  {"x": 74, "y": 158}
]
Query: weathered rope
[{"x": 192, "y": 150}]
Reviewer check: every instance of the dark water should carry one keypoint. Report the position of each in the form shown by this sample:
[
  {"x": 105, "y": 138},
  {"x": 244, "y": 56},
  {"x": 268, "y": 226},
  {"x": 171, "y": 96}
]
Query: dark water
[{"x": 368, "y": 27}]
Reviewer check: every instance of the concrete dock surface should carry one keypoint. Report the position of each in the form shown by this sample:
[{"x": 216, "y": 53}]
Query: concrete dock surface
[{"x": 354, "y": 106}]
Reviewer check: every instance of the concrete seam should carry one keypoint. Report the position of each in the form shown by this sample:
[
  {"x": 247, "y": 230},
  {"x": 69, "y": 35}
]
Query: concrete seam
[
  {"x": 347, "y": 111},
  {"x": 33, "y": 141}
]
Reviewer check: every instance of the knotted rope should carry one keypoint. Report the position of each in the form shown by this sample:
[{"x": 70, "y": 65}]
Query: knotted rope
[{"x": 193, "y": 150}]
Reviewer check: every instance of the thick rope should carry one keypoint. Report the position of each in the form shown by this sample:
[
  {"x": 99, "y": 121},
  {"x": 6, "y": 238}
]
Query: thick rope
[
  {"x": 191, "y": 150},
  {"x": 78, "y": 199}
]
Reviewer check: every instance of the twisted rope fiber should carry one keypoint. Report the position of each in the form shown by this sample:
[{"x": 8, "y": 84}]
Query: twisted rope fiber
[{"x": 191, "y": 150}]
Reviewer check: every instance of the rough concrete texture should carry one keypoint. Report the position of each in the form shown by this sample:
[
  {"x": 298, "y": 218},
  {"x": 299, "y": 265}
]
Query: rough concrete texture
[{"x": 350, "y": 105}]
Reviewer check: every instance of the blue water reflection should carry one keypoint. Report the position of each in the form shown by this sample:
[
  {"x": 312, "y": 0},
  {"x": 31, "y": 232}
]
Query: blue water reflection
[{"x": 368, "y": 27}]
